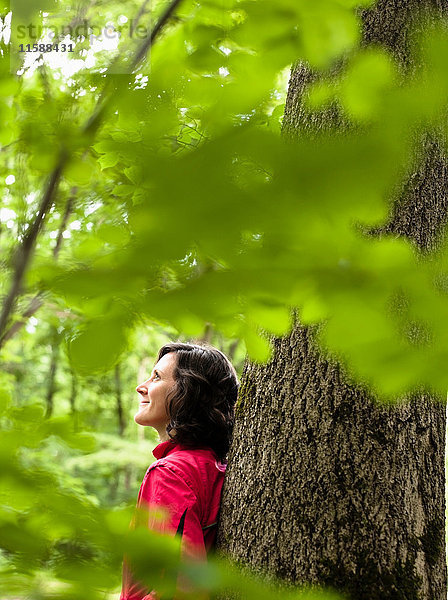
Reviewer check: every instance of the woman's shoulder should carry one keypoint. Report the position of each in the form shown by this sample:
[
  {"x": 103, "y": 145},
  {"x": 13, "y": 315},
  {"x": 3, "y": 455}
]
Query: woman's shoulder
[
  {"x": 198, "y": 456},
  {"x": 194, "y": 464},
  {"x": 192, "y": 472}
]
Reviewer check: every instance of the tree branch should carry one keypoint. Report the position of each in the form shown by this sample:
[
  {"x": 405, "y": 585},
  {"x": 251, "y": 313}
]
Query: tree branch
[
  {"x": 24, "y": 252},
  {"x": 149, "y": 42},
  {"x": 104, "y": 100},
  {"x": 33, "y": 307},
  {"x": 140, "y": 13},
  {"x": 37, "y": 301},
  {"x": 64, "y": 221}
]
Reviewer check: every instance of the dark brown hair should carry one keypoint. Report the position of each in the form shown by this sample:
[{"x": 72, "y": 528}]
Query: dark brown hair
[{"x": 202, "y": 405}]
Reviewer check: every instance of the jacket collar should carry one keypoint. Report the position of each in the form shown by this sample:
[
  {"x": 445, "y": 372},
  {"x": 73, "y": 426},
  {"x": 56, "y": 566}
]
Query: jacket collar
[{"x": 164, "y": 448}]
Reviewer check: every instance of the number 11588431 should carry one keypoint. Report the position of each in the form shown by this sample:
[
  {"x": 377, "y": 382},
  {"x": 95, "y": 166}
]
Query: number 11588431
[{"x": 46, "y": 48}]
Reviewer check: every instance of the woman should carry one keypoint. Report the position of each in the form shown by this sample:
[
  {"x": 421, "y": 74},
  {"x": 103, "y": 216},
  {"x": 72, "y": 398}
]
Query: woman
[{"x": 189, "y": 399}]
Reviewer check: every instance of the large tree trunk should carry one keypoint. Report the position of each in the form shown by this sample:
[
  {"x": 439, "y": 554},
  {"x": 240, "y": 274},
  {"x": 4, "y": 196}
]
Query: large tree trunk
[{"x": 323, "y": 485}]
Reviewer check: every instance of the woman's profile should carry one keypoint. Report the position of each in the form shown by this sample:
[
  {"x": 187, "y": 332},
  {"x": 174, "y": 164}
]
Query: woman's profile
[{"x": 189, "y": 400}]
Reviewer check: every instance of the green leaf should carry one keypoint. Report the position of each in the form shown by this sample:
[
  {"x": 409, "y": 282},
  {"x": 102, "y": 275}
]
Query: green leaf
[
  {"x": 98, "y": 345},
  {"x": 108, "y": 160},
  {"x": 123, "y": 190},
  {"x": 258, "y": 347},
  {"x": 79, "y": 171},
  {"x": 273, "y": 318},
  {"x": 363, "y": 87},
  {"x": 134, "y": 174}
]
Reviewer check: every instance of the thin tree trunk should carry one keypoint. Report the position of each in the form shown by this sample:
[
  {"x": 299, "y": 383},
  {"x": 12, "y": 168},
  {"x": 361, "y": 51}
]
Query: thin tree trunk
[
  {"x": 115, "y": 481},
  {"x": 324, "y": 486},
  {"x": 128, "y": 478},
  {"x": 120, "y": 415},
  {"x": 232, "y": 349},
  {"x": 72, "y": 400},
  {"x": 207, "y": 335},
  {"x": 142, "y": 374},
  {"x": 114, "y": 486},
  {"x": 51, "y": 386}
]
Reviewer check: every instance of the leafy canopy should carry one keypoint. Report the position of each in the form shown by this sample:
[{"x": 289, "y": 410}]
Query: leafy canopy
[{"x": 178, "y": 202}]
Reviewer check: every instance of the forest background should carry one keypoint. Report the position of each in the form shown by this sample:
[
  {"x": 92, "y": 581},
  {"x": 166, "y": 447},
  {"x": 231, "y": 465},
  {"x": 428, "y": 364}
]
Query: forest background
[{"x": 148, "y": 195}]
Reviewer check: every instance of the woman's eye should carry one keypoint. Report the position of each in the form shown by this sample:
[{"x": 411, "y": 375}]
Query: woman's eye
[{"x": 156, "y": 375}]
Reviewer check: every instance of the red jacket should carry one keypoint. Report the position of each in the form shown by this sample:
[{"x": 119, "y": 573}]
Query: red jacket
[{"x": 187, "y": 483}]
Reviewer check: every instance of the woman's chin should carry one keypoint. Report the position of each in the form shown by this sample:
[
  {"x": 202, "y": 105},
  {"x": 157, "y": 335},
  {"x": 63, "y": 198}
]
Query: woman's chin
[{"x": 140, "y": 419}]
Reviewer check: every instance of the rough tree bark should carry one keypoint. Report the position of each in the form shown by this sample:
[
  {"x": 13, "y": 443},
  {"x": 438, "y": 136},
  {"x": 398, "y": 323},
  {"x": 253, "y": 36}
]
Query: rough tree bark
[{"x": 323, "y": 485}]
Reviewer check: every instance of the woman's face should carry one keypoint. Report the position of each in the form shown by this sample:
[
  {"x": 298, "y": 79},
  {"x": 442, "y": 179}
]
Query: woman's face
[{"x": 153, "y": 395}]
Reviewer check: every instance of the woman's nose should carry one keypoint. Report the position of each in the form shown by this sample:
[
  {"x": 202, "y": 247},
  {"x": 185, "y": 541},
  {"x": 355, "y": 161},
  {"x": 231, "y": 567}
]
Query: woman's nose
[{"x": 142, "y": 389}]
